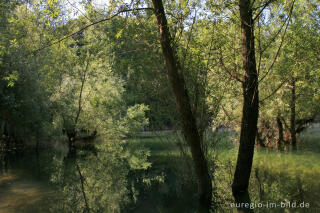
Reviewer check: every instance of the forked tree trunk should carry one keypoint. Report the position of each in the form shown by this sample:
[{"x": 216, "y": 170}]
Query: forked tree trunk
[
  {"x": 187, "y": 118},
  {"x": 250, "y": 110}
]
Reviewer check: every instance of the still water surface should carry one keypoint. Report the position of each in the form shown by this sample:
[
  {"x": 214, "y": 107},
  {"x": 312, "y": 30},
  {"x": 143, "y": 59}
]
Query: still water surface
[{"x": 110, "y": 178}]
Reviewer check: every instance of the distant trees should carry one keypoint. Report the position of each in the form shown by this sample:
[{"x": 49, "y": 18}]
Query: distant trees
[
  {"x": 68, "y": 87},
  {"x": 289, "y": 93},
  {"x": 88, "y": 94},
  {"x": 135, "y": 56},
  {"x": 24, "y": 107}
]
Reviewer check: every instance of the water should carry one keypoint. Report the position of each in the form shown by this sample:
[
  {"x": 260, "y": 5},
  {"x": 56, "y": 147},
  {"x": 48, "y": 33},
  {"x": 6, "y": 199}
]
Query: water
[
  {"x": 148, "y": 175},
  {"x": 111, "y": 178},
  {"x": 23, "y": 186}
]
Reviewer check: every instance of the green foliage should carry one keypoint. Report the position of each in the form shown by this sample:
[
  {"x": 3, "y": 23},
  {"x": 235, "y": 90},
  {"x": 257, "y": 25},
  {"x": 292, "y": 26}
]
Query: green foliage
[
  {"x": 136, "y": 58},
  {"x": 296, "y": 61},
  {"x": 24, "y": 103},
  {"x": 111, "y": 78},
  {"x": 12, "y": 78},
  {"x": 135, "y": 119}
]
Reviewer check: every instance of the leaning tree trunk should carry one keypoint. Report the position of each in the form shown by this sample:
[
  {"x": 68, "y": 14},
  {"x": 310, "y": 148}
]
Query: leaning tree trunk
[
  {"x": 250, "y": 110},
  {"x": 293, "y": 114},
  {"x": 187, "y": 118}
]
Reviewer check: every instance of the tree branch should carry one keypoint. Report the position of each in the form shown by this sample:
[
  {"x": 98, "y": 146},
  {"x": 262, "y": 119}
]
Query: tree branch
[
  {"x": 80, "y": 95},
  {"x": 281, "y": 43},
  {"x": 273, "y": 92},
  {"x": 232, "y": 74},
  {"x": 263, "y": 7},
  {"x": 87, "y": 26}
]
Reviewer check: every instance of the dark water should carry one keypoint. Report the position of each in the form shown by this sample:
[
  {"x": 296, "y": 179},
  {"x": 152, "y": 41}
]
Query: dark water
[
  {"x": 125, "y": 177},
  {"x": 110, "y": 178}
]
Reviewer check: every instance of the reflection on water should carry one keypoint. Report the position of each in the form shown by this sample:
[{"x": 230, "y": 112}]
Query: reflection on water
[
  {"x": 22, "y": 187},
  {"x": 124, "y": 177},
  {"x": 19, "y": 195},
  {"x": 114, "y": 177}
]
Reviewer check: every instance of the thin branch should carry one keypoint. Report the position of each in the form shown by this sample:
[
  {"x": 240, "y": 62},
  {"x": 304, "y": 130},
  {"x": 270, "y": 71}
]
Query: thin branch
[
  {"x": 89, "y": 25},
  {"x": 229, "y": 117},
  {"x": 82, "y": 189},
  {"x": 188, "y": 41},
  {"x": 273, "y": 92},
  {"x": 259, "y": 47},
  {"x": 276, "y": 34},
  {"x": 263, "y": 7},
  {"x": 80, "y": 95},
  {"x": 232, "y": 74},
  {"x": 281, "y": 43}
]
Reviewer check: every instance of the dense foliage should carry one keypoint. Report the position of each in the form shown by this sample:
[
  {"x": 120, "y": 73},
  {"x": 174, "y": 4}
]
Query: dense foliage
[{"x": 77, "y": 71}]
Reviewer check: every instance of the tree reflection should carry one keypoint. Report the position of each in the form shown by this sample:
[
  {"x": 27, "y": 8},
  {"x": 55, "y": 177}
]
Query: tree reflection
[{"x": 94, "y": 182}]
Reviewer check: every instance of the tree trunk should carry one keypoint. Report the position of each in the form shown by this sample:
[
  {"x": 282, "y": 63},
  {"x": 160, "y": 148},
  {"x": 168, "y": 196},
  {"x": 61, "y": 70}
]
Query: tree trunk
[
  {"x": 280, "y": 132},
  {"x": 260, "y": 140},
  {"x": 250, "y": 110},
  {"x": 293, "y": 114},
  {"x": 188, "y": 121}
]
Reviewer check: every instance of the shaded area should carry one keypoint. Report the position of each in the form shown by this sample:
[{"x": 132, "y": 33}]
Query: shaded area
[{"x": 149, "y": 173}]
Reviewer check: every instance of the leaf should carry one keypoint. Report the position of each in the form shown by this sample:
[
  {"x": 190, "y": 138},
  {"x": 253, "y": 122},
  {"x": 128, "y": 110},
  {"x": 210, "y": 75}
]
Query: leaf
[
  {"x": 118, "y": 35},
  {"x": 12, "y": 78}
]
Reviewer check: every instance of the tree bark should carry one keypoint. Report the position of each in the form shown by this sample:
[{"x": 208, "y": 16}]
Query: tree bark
[
  {"x": 250, "y": 110},
  {"x": 293, "y": 114},
  {"x": 188, "y": 121},
  {"x": 72, "y": 133},
  {"x": 280, "y": 132},
  {"x": 260, "y": 140}
]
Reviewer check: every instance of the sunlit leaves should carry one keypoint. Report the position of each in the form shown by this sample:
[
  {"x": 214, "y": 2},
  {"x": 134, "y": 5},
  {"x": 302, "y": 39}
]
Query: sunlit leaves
[{"x": 12, "y": 78}]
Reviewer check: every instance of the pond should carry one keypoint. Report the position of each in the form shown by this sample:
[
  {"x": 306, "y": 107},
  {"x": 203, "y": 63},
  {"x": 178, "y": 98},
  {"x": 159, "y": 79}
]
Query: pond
[
  {"x": 150, "y": 174},
  {"x": 112, "y": 177}
]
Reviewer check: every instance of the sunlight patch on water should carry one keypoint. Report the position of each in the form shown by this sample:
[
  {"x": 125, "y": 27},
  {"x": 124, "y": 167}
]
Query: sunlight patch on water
[{"x": 18, "y": 195}]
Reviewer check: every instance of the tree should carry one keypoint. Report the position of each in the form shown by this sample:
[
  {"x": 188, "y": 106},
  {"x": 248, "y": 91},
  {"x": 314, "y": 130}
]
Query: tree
[
  {"x": 288, "y": 102},
  {"x": 86, "y": 92},
  {"x": 188, "y": 121},
  {"x": 250, "y": 110},
  {"x": 136, "y": 57},
  {"x": 25, "y": 111}
]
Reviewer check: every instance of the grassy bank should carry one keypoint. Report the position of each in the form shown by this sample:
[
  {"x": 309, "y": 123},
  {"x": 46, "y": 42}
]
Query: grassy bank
[{"x": 277, "y": 177}]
